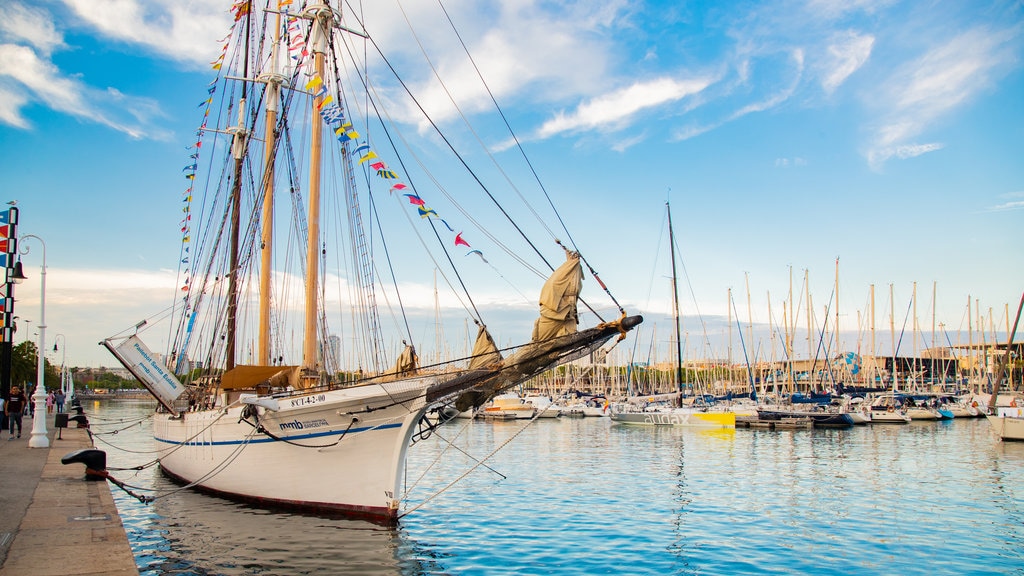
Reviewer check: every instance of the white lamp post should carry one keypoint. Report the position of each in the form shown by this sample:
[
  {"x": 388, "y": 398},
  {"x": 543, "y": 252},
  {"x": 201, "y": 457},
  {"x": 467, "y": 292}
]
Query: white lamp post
[
  {"x": 39, "y": 439},
  {"x": 63, "y": 358}
]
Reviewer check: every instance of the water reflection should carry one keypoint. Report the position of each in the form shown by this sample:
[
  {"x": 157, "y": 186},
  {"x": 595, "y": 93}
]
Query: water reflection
[
  {"x": 583, "y": 496},
  {"x": 186, "y": 532}
]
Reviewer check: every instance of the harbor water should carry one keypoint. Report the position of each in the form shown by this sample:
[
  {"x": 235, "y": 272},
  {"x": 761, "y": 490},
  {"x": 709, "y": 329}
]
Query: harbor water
[{"x": 585, "y": 496}]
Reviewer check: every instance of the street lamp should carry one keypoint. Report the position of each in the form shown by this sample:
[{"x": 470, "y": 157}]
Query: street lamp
[
  {"x": 63, "y": 352},
  {"x": 38, "y": 439},
  {"x": 63, "y": 357}
]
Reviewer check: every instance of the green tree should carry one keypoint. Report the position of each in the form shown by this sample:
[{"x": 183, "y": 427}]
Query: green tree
[{"x": 25, "y": 367}]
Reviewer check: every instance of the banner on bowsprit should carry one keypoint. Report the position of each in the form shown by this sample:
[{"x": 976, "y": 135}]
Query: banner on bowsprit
[{"x": 144, "y": 365}]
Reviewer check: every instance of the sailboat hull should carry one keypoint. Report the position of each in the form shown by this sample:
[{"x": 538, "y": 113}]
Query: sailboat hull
[
  {"x": 338, "y": 450},
  {"x": 322, "y": 452},
  {"x": 676, "y": 417},
  {"x": 1008, "y": 424}
]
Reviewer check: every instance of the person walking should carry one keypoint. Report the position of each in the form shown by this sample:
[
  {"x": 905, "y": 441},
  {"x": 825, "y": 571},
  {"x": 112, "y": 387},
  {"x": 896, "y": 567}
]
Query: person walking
[
  {"x": 14, "y": 409},
  {"x": 58, "y": 399},
  {"x": 49, "y": 402}
]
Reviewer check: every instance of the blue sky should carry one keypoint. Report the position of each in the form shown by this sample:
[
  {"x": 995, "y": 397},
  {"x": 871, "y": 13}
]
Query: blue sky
[{"x": 886, "y": 134}]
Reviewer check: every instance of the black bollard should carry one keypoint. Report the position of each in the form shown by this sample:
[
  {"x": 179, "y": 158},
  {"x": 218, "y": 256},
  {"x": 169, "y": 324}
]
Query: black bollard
[{"x": 95, "y": 462}]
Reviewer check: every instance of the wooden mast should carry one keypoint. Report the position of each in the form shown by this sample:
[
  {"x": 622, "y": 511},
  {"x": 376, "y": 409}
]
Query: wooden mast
[
  {"x": 1004, "y": 359},
  {"x": 273, "y": 80},
  {"x": 238, "y": 149},
  {"x": 322, "y": 20}
]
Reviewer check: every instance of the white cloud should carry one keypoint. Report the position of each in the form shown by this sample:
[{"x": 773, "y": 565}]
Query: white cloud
[
  {"x": 1012, "y": 204},
  {"x": 70, "y": 96},
  {"x": 834, "y": 9},
  {"x": 1016, "y": 205},
  {"x": 184, "y": 31},
  {"x": 88, "y": 305},
  {"x": 930, "y": 87},
  {"x": 744, "y": 71},
  {"x": 613, "y": 109},
  {"x": 11, "y": 103},
  {"x": 847, "y": 53},
  {"x": 20, "y": 23},
  {"x": 524, "y": 52},
  {"x": 795, "y": 162}
]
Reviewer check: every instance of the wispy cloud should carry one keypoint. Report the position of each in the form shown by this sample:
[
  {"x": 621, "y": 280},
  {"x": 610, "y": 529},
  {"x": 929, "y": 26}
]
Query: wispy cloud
[
  {"x": 744, "y": 75},
  {"x": 11, "y": 103},
  {"x": 183, "y": 31},
  {"x": 795, "y": 162},
  {"x": 933, "y": 85},
  {"x": 834, "y": 9},
  {"x": 69, "y": 95},
  {"x": 613, "y": 109},
  {"x": 24, "y": 24},
  {"x": 1010, "y": 205},
  {"x": 847, "y": 52}
]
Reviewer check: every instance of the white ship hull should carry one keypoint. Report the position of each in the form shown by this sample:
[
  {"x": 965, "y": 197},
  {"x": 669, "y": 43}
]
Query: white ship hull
[
  {"x": 322, "y": 451},
  {"x": 1008, "y": 423}
]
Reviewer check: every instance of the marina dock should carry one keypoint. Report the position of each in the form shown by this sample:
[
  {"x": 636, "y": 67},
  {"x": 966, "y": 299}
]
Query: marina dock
[{"x": 54, "y": 522}]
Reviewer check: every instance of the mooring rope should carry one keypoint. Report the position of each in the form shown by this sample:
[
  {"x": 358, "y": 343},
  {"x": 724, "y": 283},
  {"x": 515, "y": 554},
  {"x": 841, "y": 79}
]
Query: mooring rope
[{"x": 472, "y": 468}]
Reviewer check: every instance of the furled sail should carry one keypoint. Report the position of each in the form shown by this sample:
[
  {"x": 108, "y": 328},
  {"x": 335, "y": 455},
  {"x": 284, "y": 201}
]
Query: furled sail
[
  {"x": 243, "y": 377},
  {"x": 558, "y": 315},
  {"x": 485, "y": 351},
  {"x": 407, "y": 365}
]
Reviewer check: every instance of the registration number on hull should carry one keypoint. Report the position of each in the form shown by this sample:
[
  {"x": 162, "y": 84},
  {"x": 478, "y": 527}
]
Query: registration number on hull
[{"x": 308, "y": 400}]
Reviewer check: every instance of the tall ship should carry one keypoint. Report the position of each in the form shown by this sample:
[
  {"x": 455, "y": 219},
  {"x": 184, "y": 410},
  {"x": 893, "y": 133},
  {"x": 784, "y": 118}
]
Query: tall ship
[{"x": 314, "y": 217}]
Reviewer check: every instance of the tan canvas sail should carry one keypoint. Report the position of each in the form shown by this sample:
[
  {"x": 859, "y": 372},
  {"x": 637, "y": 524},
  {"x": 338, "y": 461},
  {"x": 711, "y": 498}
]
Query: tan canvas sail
[
  {"x": 485, "y": 351},
  {"x": 558, "y": 315},
  {"x": 406, "y": 365},
  {"x": 244, "y": 377}
]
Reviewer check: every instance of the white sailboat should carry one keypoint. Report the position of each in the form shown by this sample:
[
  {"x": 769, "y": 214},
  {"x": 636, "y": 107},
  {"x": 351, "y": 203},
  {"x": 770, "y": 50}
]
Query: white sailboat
[
  {"x": 1007, "y": 419},
  {"x": 321, "y": 432},
  {"x": 670, "y": 409}
]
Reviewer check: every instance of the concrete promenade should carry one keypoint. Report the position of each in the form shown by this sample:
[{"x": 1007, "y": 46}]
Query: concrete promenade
[{"x": 52, "y": 521}]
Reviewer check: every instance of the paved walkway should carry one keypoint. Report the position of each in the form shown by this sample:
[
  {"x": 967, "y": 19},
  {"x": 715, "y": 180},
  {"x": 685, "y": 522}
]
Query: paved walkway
[{"x": 52, "y": 521}]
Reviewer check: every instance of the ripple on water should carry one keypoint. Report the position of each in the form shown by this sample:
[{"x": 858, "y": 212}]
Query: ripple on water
[{"x": 583, "y": 496}]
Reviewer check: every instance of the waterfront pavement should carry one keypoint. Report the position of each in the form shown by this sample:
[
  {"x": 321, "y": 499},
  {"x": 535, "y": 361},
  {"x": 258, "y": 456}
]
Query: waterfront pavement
[{"x": 53, "y": 521}]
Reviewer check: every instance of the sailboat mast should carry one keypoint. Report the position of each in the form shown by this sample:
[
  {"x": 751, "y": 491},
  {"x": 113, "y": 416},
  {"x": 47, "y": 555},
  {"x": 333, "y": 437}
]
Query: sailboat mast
[
  {"x": 273, "y": 80},
  {"x": 836, "y": 328},
  {"x": 874, "y": 352},
  {"x": 1004, "y": 359},
  {"x": 238, "y": 147},
  {"x": 322, "y": 19},
  {"x": 892, "y": 336},
  {"x": 675, "y": 301}
]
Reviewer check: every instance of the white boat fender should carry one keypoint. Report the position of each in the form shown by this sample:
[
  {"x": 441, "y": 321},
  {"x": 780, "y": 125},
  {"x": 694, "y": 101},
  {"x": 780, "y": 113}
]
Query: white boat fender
[{"x": 264, "y": 401}]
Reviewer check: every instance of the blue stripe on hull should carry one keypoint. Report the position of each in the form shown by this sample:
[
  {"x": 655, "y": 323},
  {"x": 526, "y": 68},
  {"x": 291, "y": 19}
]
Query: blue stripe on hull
[{"x": 262, "y": 440}]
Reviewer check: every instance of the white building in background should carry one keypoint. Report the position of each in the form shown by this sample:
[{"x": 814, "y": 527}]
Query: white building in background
[{"x": 333, "y": 351}]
